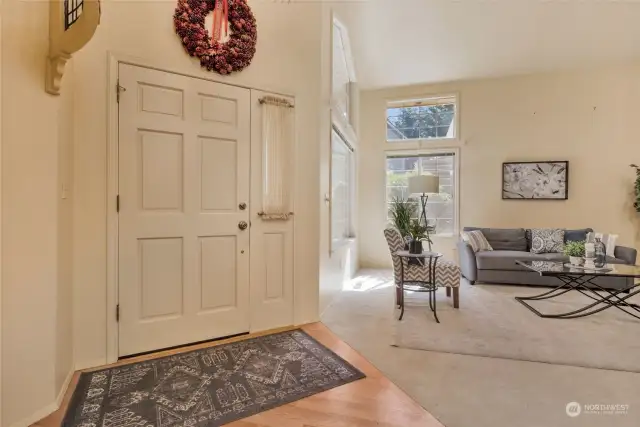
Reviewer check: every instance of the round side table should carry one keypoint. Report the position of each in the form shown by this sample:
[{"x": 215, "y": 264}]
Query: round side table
[{"x": 429, "y": 260}]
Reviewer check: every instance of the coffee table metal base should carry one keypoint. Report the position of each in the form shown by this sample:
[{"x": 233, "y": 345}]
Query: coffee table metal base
[{"x": 603, "y": 298}]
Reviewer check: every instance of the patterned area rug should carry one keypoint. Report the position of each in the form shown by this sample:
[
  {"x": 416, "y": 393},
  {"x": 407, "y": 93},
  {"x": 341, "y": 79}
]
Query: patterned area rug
[{"x": 209, "y": 387}]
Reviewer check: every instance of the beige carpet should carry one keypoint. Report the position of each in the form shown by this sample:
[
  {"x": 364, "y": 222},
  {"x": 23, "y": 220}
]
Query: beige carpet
[
  {"x": 462, "y": 390},
  {"x": 492, "y": 323}
]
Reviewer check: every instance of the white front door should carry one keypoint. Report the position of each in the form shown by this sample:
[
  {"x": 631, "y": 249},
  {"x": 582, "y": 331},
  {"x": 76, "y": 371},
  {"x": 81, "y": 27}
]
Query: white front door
[{"x": 184, "y": 154}]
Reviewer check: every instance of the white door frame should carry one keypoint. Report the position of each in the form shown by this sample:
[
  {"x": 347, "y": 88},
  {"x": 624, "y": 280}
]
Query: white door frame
[{"x": 114, "y": 59}]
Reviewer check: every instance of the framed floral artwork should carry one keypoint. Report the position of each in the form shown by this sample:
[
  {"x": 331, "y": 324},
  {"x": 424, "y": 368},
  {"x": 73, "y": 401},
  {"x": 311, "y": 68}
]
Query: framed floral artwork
[{"x": 535, "y": 180}]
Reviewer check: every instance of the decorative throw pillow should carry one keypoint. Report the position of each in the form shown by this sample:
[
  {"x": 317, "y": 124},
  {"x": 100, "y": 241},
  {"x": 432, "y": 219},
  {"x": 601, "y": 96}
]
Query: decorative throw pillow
[
  {"x": 476, "y": 240},
  {"x": 547, "y": 240},
  {"x": 579, "y": 235}
]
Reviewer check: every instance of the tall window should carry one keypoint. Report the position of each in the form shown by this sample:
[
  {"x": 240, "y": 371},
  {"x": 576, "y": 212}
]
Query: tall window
[
  {"x": 341, "y": 189},
  {"x": 441, "y": 208},
  {"x": 343, "y": 74},
  {"x": 343, "y": 138},
  {"x": 427, "y": 118}
]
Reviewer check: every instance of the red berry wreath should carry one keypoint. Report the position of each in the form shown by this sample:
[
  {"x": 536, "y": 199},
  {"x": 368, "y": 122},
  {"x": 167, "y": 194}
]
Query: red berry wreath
[{"x": 223, "y": 57}]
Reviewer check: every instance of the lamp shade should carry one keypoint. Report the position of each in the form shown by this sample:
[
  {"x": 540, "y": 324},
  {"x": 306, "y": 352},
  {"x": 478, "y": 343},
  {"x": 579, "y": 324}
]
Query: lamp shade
[{"x": 424, "y": 184}]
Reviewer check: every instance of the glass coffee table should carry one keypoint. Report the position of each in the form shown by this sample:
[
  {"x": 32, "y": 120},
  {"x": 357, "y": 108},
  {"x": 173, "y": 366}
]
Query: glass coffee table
[{"x": 580, "y": 279}]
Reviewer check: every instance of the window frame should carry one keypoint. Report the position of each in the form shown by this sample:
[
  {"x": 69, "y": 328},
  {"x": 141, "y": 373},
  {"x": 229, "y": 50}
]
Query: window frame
[
  {"x": 337, "y": 243},
  {"x": 345, "y": 118},
  {"x": 344, "y": 124},
  {"x": 456, "y": 181},
  {"x": 414, "y": 101}
]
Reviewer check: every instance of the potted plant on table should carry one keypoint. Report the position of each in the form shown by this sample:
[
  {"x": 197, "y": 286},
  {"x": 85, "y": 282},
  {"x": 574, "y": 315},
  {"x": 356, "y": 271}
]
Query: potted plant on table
[
  {"x": 575, "y": 252},
  {"x": 402, "y": 212},
  {"x": 418, "y": 233}
]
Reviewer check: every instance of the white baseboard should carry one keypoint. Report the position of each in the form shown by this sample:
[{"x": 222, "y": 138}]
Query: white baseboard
[
  {"x": 49, "y": 409},
  {"x": 98, "y": 363},
  {"x": 65, "y": 387}
]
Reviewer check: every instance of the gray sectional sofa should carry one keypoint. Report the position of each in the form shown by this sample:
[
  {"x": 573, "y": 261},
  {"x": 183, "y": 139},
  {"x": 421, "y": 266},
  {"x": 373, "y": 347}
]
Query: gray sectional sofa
[{"x": 511, "y": 244}]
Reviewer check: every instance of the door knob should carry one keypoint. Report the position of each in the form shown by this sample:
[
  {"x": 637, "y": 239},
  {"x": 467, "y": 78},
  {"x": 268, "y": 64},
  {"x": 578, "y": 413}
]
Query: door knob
[
  {"x": 242, "y": 206},
  {"x": 242, "y": 225}
]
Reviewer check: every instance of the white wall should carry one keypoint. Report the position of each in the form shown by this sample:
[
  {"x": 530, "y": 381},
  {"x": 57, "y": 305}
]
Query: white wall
[
  {"x": 36, "y": 240},
  {"x": 64, "y": 314},
  {"x": 288, "y": 60},
  {"x": 589, "y": 118}
]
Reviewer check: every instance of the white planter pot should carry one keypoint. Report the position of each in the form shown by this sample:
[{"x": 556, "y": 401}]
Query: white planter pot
[{"x": 576, "y": 260}]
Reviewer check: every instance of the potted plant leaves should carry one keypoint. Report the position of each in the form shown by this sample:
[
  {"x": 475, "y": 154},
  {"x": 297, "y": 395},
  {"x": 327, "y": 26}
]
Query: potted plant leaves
[
  {"x": 636, "y": 203},
  {"x": 418, "y": 233},
  {"x": 575, "y": 252},
  {"x": 402, "y": 212}
]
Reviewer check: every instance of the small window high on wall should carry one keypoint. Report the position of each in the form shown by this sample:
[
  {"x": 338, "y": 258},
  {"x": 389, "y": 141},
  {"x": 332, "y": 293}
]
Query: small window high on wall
[
  {"x": 426, "y": 118},
  {"x": 441, "y": 208}
]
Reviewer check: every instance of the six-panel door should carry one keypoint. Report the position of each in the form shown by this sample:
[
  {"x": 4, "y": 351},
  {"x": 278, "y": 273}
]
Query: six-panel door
[{"x": 184, "y": 162}]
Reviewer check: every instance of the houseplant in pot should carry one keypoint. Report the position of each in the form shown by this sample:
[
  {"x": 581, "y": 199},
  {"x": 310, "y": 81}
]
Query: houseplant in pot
[
  {"x": 418, "y": 233},
  {"x": 575, "y": 252},
  {"x": 401, "y": 212}
]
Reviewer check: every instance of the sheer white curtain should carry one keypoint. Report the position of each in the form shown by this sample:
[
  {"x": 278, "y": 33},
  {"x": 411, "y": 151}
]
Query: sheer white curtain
[{"x": 277, "y": 159}]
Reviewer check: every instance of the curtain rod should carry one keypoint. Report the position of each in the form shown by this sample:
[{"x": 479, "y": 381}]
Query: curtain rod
[{"x": 272, "y": 100}]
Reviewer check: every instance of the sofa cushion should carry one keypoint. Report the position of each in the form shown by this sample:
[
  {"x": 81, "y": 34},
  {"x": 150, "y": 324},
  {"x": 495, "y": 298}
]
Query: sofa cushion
[
  {"x": 577, "y": 235},
  {"x": 504, "y": 239},
  {"x": 547, "y": 240},
  {"x": 506, "y": 260}
]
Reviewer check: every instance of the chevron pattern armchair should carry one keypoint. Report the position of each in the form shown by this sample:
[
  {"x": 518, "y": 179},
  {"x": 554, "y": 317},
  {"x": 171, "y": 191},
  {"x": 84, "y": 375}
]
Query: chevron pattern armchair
[{"x": 447, "y": 273}]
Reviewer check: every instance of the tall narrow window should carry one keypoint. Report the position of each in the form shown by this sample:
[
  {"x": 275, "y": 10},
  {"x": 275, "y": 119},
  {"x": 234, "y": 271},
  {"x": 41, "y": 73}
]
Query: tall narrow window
[
  {"x": 441, "y": 208},
  {"x": 344, "y": 141},
  {"x": 343, "y": 74},
  {"x": 341, "y": 189}
]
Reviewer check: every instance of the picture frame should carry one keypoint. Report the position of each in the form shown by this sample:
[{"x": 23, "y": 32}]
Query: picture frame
[{"x": 541, "y": 180}]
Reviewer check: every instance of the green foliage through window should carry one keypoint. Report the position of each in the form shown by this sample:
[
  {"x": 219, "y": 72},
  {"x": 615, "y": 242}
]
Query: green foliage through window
[
  {"x": 421, "y": 121},
  {"x": 441, "y": 207}
]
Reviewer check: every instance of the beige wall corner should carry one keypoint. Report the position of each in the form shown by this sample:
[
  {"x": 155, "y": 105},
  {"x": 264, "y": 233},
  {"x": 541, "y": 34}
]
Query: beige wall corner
[{"x": 36, "y": 310}]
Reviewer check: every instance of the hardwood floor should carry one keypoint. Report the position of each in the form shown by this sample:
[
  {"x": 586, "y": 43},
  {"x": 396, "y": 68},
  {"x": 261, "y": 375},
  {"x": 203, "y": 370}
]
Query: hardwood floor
[{"x": 373, "y": 401}]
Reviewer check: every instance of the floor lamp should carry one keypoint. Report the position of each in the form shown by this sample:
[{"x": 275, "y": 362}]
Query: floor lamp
[{"x": 424, "y": 185}]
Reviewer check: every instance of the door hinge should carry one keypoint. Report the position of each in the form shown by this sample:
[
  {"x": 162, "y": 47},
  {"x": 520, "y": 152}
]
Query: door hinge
[
  {"x": 118, "y": 203},
  {"x": 118, "y": 90},
  {"x": 118, "y": 313}
]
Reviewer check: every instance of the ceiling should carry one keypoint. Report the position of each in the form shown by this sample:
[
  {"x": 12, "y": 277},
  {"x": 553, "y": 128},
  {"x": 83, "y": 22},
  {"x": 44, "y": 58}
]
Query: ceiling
[{"x": 402, "y": 42}]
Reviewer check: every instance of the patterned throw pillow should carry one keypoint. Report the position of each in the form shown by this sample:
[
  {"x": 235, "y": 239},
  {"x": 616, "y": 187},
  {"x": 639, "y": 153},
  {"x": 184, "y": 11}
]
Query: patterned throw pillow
[
  {"x": 547, "y": 240},
  {"x": 476, "y": 240}
]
